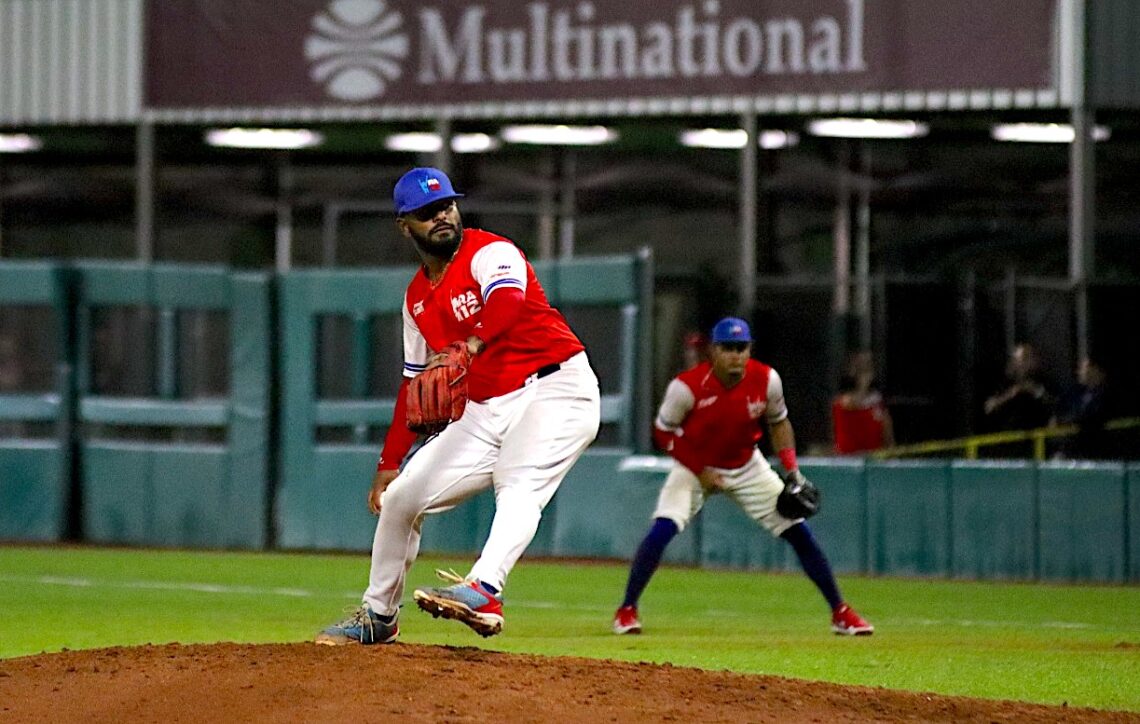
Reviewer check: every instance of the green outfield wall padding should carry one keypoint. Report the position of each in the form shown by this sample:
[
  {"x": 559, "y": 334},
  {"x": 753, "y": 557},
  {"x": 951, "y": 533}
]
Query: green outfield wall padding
[
  {"x": 250, "y": 446},
  {"x": 331, "y": 511},
  {"x": 159, "y": 496},
  {"x": 198, "y": 495},
  {"x": 993, "y": 520},
  {"x": 908, "y": 518},
  {"x": 334, "y": 512},
  {"x": 34, "y": 473},
  {"x": 841, "y": 524},
  {"x": 604, "y": 512},
  {"x": 1132, "y": 522},
  {"x": 730, "y": 539},
  {"x": 33, "y": 491},
  {"x": 1082, "y": 521}
]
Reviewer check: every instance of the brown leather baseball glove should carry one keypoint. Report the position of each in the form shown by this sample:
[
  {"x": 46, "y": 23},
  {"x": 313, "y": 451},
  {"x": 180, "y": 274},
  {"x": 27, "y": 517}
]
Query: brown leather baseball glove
[{"x": 438, "y": 395}]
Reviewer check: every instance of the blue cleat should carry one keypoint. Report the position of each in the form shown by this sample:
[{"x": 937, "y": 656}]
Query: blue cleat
[
  {"x": 364, "y": 626},
  {"x": 465, "y": 601}
]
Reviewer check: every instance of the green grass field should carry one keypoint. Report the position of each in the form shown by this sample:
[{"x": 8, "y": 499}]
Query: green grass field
[{"x": 1040, "y": 643}]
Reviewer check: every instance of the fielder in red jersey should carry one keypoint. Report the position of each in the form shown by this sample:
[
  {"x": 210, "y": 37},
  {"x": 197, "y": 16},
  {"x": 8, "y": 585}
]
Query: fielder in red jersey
[
  {"x": 710, "y": 422},
  {"x": 534, "y": 408}
]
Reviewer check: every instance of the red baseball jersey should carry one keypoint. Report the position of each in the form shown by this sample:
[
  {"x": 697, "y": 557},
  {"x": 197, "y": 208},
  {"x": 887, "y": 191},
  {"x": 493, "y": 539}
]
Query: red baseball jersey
[
  {"x": 435, "y": 315},
  {"x": 702, "y": 423},
  {"x": 858, "y": 427}
]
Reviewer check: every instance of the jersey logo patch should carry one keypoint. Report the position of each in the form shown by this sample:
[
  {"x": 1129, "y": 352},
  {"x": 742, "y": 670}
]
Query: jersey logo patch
[
  {"x": 417, "y": 309},
  {"x": 464, "y": 305},
  {"x": 702, "y": 404},
  {"x": 756, "y": 407}
]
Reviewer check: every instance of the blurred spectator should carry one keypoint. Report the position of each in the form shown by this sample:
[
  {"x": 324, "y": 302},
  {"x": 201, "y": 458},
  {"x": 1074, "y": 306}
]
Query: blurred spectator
[
  {"x": 694, "y": 350},
  {"x": 860, "y": 421},
  {"x": 1025, "y": 403},
  {"x": 1086, "y": 405}
]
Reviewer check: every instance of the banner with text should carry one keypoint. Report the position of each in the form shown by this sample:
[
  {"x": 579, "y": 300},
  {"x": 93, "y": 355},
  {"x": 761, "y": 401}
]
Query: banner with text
[{"x": 374, "y": 53}]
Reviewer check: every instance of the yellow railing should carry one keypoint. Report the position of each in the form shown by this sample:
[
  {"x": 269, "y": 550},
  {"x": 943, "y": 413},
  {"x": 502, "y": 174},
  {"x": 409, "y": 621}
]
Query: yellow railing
[{"x": 969, "y": 446}]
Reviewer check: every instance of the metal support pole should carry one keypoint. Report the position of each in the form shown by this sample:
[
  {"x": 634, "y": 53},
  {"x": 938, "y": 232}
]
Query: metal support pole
[
  {"x": 284, "y": 228},
  {"x": 441, "y": 159},
  {"x": 329, "y": 221},
  {"x": 841, "y": 237},
  {"x": 1082, "y": 177},
  {"x": 3, "y": 183},
  {"x": 863, "y": 250},
  {"x": 144, "y": 191},
  {"x": 547, "y": 217},
  {"x": 568, "y": 206},
  {"x": 748, "y": 173}
]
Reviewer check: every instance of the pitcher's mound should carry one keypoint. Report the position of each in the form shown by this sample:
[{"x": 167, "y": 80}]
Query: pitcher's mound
[{"x": 307, "y": 683}]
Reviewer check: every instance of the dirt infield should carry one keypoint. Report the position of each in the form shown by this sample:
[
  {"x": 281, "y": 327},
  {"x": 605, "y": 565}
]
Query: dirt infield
[{"x": 308, "y": 683}]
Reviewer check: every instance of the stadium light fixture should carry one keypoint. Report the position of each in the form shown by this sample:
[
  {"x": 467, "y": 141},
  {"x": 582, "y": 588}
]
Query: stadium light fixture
[
  {"x": 474, "y": 143},
  {"x": 714, "y": 138},
  {"x": 867, "y": 128},
  {"x": 559, "y": 135},
  {"x": 736, "y": 138},
  {"x": 1043, "y": 132},
  {"x": 416, "y": 142},
  {"x": 267, "y": 138},
  {"x": 772, "y": 139},
  {"x": 19, "y": 143},
  {"x": 432, "y": 142}
]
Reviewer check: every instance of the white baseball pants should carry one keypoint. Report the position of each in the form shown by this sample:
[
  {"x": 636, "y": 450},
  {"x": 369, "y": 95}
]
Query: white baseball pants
[
  {"x": 522, "y": 444},
  {"x": 754, "y": 487}
]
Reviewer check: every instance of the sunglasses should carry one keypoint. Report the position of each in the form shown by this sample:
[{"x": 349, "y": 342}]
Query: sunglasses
[
  {"x": 733, "y": 346},
  {"x": 427, "y": 213}
]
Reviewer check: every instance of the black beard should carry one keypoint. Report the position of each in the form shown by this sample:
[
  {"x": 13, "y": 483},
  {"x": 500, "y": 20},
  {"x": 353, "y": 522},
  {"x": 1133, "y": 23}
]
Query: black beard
[{"x": 439, "y": 249}]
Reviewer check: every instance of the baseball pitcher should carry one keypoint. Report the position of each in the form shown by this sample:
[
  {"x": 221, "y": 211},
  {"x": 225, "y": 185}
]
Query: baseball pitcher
[{"x": 503, "y": 387}]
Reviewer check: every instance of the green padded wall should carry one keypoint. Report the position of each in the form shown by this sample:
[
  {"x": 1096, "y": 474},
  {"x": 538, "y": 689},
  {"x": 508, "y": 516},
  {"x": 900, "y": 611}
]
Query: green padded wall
[
  {"x": 730, "y": 539},
  {"x": 34, "y": 473},
  {"x": 198, "y": 495},
  {"x": 33, "y": 491},
  {"x": 158, "y": 495},
  {"x": 908, "y": 518},
  {"x": 993, "y": 514},
  {"x": 321, "y": 490},
  {"x": 603, "y": 512},
  {"x": 1082, "y": 521},
  {"x": 1132, "y": 522},
  {"x": 841, "y": 524}
]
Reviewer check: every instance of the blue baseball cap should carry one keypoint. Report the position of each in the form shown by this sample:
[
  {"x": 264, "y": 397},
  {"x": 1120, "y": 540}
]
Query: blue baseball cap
[
  {"x": 420, "y": 187},
  {"x": 731, "y": 329}
]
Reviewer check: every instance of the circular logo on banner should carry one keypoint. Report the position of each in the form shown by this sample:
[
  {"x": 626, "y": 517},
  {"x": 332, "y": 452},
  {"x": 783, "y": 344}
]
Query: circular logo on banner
[{"x": 356, "y": 48}]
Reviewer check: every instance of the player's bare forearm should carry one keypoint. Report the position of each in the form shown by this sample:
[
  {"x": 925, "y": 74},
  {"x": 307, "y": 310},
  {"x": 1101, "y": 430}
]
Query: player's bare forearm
[{"x": 783, "y": 438}]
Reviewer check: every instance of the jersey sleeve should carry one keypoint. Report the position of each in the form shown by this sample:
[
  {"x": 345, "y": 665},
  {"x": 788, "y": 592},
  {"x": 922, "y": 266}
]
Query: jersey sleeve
[
  {"x": 667, "y": 430},
  {"x": 777, "y": 408},
  {"x": 415, "y": 346},
  {"x": 675, "y": 407},
  {"x": 499, "y": 265}
]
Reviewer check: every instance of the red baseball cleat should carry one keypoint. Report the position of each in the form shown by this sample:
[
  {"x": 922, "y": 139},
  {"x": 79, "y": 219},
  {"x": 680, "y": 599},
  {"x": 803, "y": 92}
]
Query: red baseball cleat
[
  {"x": 626, "y": 621},
  {"x": 846, "y": 622}
]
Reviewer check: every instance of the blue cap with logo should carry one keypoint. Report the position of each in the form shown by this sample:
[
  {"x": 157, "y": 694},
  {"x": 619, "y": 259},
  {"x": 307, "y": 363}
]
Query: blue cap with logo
[
  {"x": 731, "y": 329},
  {"x": 420, "y": 187}
]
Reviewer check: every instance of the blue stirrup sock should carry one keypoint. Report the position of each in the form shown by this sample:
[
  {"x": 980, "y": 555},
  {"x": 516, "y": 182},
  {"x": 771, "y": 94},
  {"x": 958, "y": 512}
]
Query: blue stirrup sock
[
  {"x": 648, "y": 558},
  {"x": 814, "y": 563}
]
